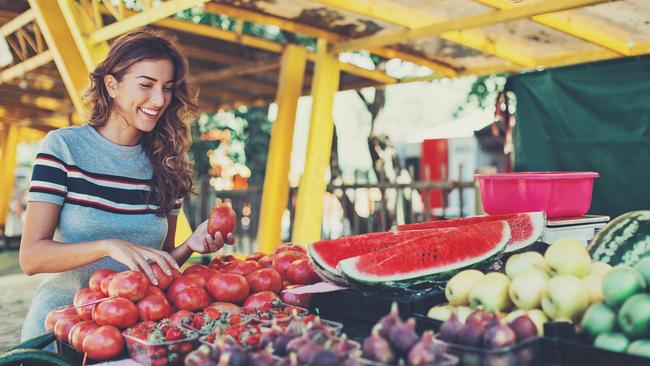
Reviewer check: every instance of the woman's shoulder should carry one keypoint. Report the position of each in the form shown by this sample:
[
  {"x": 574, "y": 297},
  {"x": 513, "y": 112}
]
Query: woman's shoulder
[{"x": 65, "y": 138}]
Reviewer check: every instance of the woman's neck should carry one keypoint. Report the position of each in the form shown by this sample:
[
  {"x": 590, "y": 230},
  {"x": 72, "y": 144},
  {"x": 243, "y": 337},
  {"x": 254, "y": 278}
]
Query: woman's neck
[{"x": 118, "y": 131}]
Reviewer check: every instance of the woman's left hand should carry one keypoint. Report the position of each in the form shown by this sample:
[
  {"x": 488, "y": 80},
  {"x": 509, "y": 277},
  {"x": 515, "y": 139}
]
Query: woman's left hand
[{"x": 202, "y": 242}]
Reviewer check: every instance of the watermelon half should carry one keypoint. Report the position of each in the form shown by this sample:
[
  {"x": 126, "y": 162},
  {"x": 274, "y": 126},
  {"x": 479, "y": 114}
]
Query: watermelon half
[
  {"x": 434, "y": 257},
  {"x": 526, "y": 227},
  {"x": 325, "y": 255}
]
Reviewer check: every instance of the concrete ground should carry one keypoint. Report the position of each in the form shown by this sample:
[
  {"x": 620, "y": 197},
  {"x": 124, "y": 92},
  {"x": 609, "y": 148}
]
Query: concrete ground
[{"x": 16, "y": 291}]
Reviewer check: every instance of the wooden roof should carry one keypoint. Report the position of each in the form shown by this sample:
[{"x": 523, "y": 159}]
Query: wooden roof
[{"x": 452, "y": 38}]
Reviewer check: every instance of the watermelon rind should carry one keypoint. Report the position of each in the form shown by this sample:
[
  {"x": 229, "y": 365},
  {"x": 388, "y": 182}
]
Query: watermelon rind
[
  {"x": 538, "y": 221},
  {"x": 624, "y": 240},
  {"x": 430, "y": 275}
]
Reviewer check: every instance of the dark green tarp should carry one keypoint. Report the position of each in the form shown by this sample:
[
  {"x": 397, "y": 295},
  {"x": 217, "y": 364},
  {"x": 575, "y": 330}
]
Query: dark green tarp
[{"x": 592, "y": 117}]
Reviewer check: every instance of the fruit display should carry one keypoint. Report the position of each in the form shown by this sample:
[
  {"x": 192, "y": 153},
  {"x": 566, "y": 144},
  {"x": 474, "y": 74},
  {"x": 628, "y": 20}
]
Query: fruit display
[
  {"x": 434, "y": 257},
  {"x": 488, "y": 338},
  {"x": 207, "y": 321},
  {"x": 621, "y": 321},
  {"x": 623, "y": 240},
  {"x": 558, "y": 285},
  {"x": 525, "y": 227},
  {"x": 160, "y": 343},
  {"x": 394, "y": 341},
  {"x": 276, "y": 310}
]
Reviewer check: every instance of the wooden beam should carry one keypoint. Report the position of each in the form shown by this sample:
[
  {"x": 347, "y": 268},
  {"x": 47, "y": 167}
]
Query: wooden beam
[
  {"x": 80, "y": 24},
  {"x": 63, "y": 47},
  {"x": 296, "y": 27},
  {"x": 275, "y": 192},
  {"x": 574, "y": 25},
  {"x": 17, "y": 23},
  {"x": 145, "y": 17},
  {"x": 473, "y": 21},
  {"x": 237, "y": 71},
  {"x": 309, "y": 205},
  {"x": 26, "y": 66}
]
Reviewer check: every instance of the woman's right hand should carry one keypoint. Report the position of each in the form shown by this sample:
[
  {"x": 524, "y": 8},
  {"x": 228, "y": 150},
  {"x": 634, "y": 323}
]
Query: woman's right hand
[{"x": 137, "y": 257}]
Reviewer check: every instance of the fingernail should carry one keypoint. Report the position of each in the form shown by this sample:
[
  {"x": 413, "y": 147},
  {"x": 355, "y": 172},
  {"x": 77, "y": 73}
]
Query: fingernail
[{"x": 155, "y": 282}]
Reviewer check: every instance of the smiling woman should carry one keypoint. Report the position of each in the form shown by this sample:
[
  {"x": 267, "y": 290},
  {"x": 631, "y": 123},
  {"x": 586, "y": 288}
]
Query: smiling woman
[{"x": 107, "y": 194}]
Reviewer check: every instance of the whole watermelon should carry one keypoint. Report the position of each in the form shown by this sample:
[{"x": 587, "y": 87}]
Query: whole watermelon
[{"x": 626, "y": 239}]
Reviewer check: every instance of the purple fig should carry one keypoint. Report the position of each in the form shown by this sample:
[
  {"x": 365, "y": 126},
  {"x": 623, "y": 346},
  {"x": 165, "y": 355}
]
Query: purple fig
[
  {"x": 389, "y": 320},
  {"x": 472, "y": 333},
  {"x": 376, "y": 348},
  {"x": 524, "y": 328},
  {"x": 308, "y": 351},
  {"x": 325, "y": 357},
  {"x": 352, "y": 361},
  {"x": 280, "y": 345},
  {"x": 450, "y": 329},
  {"x": 481, "y": 316},
  {"x": 499, "y": 335},
  {"x": 423, "y": 352},
  {"x": 295, "y": 344},
  {"x": 292, "y": 360},
  {"x": 262, "y": 358},
  {"x": 403, "y": 336},
  {"x": 342, "y": 348}
]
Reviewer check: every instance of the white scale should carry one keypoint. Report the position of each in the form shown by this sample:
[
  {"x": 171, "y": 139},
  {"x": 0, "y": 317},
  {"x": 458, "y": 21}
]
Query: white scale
[{"x": 581, "y": 228}]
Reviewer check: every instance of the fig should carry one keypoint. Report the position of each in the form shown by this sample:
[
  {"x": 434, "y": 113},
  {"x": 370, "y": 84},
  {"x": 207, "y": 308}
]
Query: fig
[
  {"x": 479, "y": 315},
  {"x": 450, "y": 329},
  {"x": 198, "y": 357},
  {"x": 376, "y": 348},
  {"x": 403, "y": 336},
  {"x": 352, "y": 361},
  {"x": 280, "y": 344},
  {"x": 389, "y": 320},
  {"x": 342, "y": 348},
  {"x": 238, "y": 357},
  {"x": 499, "y": 335},
  {"x": 295, "y": 344},
  {"x": 262, "y": 358},
  {"x": 472, "y": 333},
  {"x": 424, "y": 351},
  {"x": 524, "y": 328},
  {"x": 308, "y": 351},
  {"x": 292, "y": 360},
  {"x": 325, "y": 357}
]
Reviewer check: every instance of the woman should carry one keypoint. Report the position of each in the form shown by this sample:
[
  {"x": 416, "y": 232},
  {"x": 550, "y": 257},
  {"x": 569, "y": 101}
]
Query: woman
[{"x": 107, "y": 194}]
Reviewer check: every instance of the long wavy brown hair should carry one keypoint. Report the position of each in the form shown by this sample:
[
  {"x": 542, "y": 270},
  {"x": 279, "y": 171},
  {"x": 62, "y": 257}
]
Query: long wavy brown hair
[{"x": 167, "y": 144}]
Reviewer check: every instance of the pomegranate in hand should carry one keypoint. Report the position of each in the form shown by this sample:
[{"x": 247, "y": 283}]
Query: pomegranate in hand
[{"x": 222, "y": 219}]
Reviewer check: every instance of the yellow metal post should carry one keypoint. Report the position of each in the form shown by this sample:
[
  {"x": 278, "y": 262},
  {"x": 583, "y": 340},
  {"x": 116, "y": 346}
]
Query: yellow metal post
[
  {"x": 309, "y": 206},
  {"x": 81, "y": 26},
  {"x": 276, "y": 180},
  {"x": 8, "y": 165}
]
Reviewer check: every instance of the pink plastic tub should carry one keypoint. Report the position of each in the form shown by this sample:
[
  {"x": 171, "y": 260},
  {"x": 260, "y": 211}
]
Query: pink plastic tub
[{"x": 557, "y": 193}]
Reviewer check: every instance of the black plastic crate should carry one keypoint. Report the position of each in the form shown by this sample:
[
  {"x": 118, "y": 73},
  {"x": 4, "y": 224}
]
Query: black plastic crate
[
  {"x": 76, "y": 357},
  {"x": 356, "y": 305}
]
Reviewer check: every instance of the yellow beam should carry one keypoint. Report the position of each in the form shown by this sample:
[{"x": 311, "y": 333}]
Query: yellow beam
[
  {"x": 30, "y": 135},
  {"x": 24, "y": 67},
  {"x": 295, "y": 27},
  {"x": 17, "y": 23},
  {"x": 309, "y": 205},
  {"x": 80, "y": 25},
  {"x": 8, "y": 166},
  {"x": 473, "y": 21},
  {"x": 575, "y": 25},
  {"x": 141, "y": 19},
  {"x": 66, "y": 55},
  {"x": 275, "y": 191}
]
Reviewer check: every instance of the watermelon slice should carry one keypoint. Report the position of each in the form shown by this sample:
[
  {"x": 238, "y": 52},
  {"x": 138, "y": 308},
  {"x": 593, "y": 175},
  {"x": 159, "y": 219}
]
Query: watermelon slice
[
  {"x": 435, "y": 256},
  {"x": 526, "y": 227},
  {"x": 325, "y": 255}
]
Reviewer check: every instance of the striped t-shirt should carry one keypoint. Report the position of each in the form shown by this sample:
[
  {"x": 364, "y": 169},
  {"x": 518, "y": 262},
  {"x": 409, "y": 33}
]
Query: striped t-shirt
[{"x": 102, "y": 188}]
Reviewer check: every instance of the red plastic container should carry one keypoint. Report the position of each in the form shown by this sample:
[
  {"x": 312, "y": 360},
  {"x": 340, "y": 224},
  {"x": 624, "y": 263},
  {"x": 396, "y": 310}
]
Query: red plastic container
[{"x": 559, "y": 194}]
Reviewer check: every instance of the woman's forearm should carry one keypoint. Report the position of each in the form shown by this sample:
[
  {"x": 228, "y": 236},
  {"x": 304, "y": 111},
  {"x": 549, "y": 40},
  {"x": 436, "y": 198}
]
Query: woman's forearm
[
  {"x": 49, "y": 256},
  {"x": 182, "y": 253}
]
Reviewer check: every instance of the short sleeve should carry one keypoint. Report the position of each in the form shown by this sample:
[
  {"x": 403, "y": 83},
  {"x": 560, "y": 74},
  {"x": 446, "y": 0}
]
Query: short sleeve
[
  {"x": 177, "y": 207},
  {"x": 50, "y": 173}
]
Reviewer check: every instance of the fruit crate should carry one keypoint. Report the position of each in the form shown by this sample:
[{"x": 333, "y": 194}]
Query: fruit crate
[{"x": 353, "y": 305}]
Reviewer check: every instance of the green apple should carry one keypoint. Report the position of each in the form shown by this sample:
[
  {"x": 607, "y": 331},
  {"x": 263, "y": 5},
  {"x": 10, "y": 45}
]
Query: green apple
[
  {"x": 568, "y": 256},
  {"x": 594, "y": 285},
  {"x": 620, "y": 284},
  {"x": 643, "y": 266},
  {"x": 599, "y": 268},
  {"x": 458, "y": 287},
  {"x": 599, "y": 319},
  {"x": 527, "y": 288},
  {"x": 634, "y": 316},
  {"x": 440, "y": 312},
  {"x": 615, "y": 342},
  {"x": 523, "y": 261},
  {"x": 491, "y": 292},
  {"x": 463, "y": 312},
  {"x": 565, "y": 298},
  {"x": 640, "y": 347}
]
